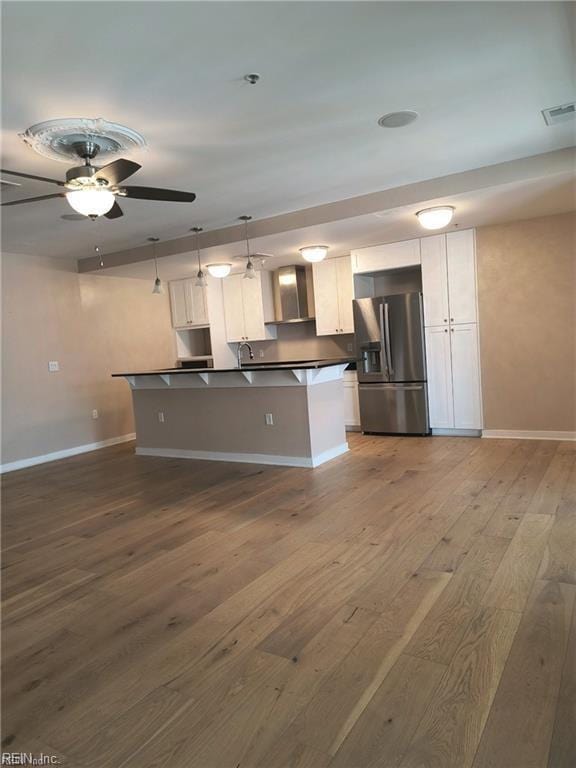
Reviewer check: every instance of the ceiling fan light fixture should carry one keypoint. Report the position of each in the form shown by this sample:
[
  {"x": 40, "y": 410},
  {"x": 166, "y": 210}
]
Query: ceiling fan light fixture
[
  {"x": 436, "y": 218},
  {"x": 95, "y": 201},
  {"x": 220, "y": 269},
  {"x": 314, "y": 253}
]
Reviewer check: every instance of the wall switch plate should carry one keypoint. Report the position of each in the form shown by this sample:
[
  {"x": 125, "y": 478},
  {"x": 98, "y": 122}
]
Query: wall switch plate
[
  {"x": 269, "y": 420},
  {"x": 161, "y": 417},
  {"x": 261, "y": 353},
  {"x": 53, "y": 366},
  {"x": 95, "y": 413},
  {"x": 350, "y": 347}
]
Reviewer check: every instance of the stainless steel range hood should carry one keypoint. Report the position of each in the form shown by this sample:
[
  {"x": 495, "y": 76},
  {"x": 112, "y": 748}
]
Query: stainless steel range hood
[{"x": 292, "y": 303}]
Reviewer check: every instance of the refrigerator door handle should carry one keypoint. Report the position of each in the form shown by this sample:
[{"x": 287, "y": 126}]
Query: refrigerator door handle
[
  {"x": 388, "y": 344},
  {"x": 383, "y": 339}
]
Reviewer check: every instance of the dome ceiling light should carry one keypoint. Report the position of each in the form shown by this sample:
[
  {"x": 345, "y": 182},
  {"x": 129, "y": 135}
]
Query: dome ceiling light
[
  {"x": 314, "y": 253},
  {"x": 436, "y": 218},
  {"x": 398, "y": 119},
  {"x": 220, "y": 269}
]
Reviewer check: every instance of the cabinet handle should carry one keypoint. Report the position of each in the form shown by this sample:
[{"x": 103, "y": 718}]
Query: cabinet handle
[
  {"x": 451, "y": 319},
  {"x": 445, "y": 330},
  {"x": 445, "y": 319}
]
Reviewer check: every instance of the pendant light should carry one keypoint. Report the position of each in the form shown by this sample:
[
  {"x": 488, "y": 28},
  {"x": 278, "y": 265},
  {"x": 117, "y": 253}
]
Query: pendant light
[
  {"x": 158, "y": 287},
  {"x": 314, "y": 253},
  {"x": 200, "y": 281},
  {"x": 436, "y": 218},
  {"x": 250, "y": 272}
]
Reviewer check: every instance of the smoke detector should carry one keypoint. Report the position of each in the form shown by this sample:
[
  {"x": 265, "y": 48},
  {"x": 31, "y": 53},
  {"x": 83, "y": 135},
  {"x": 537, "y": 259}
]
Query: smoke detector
[
  {"x": 559, "y": 114},
  {"x": 398, "y": 119},
  {"x": 58, "y": 139}
]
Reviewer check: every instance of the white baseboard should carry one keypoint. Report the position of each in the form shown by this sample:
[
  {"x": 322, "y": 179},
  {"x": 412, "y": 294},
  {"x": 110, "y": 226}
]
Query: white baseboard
[
  {"x": 526, "y": 434},
  {"x": 457, "y": 432},
  {"x": 247, "y": 458},
  {"x": 66, "y": 453}
]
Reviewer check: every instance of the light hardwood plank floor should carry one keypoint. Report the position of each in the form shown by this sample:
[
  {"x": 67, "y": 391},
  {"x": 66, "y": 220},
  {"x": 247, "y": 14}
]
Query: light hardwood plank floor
[{"x": 411, "y": 603}]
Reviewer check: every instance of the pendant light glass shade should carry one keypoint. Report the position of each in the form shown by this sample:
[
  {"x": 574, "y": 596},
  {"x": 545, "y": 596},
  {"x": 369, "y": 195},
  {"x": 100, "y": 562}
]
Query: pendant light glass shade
[
  {"x": 158, "y": 287},
  {"x": 250, "y": 272},
  {"x": 436, "y": 218},
  {"x": 92, "y": 201},
  {"x": 219, "y": 270},
  {"x": 314, "y": 253}
]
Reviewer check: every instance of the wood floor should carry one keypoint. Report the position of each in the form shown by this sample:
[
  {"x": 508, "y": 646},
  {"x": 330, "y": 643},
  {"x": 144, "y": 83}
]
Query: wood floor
[{"x": 408, "y": 604}]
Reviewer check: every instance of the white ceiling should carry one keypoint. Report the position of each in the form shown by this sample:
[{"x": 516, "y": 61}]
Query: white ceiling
[
  {"x": 478, "y": 74},
  {"x": 493, "y": 205}
]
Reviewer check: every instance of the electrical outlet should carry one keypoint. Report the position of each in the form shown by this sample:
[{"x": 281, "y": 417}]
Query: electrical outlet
[
  {"x": 261, "y": 353},
  {"x": 350, "y": 347},
  {"x": 161, "y": 417},
  {"x": 269, "y": 420},
  {"x": 95, "y": 413},
  {"x": 53, "y": 366}
]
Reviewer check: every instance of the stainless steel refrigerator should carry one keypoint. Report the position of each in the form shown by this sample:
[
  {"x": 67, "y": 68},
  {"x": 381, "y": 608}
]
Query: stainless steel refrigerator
[{"x": 391, "y": 364}]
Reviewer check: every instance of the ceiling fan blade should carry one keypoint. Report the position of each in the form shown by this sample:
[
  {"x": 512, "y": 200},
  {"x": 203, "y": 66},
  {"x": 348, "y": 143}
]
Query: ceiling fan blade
[
  {"x": 31, "y": 176},
  {"x": 115, "y": 212},
  {"x": 33, "y": 199},
  {"x": 117, "y": 171},
  {"x": 153, "y": 193}
]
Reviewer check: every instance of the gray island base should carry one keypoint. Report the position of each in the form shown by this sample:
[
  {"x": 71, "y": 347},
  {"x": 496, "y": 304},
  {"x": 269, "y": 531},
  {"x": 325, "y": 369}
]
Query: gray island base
[{"x": 291, "y": 416}]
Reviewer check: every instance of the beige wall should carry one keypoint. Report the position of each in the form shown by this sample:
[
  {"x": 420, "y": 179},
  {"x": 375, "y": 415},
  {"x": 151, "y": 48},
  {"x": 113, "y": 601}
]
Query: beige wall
[
  {"x": 527, "y": 300},
  {"x": 298, "y": 341},
  {"x": 92, "y": 325}
]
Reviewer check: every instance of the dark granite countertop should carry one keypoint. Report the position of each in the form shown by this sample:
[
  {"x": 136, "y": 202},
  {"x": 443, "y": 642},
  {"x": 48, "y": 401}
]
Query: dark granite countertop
[{"x": 302, "y": 365}]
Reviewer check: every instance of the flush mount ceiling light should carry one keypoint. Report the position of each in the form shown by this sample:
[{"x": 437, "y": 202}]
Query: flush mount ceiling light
[
  {"x": 220, "y": 269},
  {"x": 314, "y": 252},
  {"x": 398, "y": 119},
  {"x": 200, "y": 281},
  {"x": 250, "y": 272},
  {"x": 158, "y": 288},
  {"x": 436, "y": 218}
]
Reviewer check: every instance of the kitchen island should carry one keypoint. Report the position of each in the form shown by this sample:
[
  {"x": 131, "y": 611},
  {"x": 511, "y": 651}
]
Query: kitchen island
[{"x": 289, "y": 414}]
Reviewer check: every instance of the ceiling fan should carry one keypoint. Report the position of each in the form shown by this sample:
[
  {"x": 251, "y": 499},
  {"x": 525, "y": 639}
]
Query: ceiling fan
[{"x": 93, "y": 191}]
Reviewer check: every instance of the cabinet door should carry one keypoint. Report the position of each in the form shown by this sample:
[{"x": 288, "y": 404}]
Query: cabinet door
[
  {"x": 254, "y": 328},
  {"x": 233, "y": 307},
  {"x": 434, "y": 280},
  {"x": 461, "y": 276},
  {"x": 438, "y": 364},
  {"x": 196, "y": 305},
  {"x": 345, "y": 294},
  {"x": 351, "y": 402},
  {"x": 466, "y": 376},
  {"x": 325, "y": 276},
  {"x": 176, "y": 289}
]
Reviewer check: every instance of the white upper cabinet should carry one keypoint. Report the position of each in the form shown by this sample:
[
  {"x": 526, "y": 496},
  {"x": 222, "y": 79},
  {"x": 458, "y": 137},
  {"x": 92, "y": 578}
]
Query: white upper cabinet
[
  {"x": 466, "y": 376},
  {"x": 461, "y": 276},
  {"x": 248, "y": 305},
  {"x": 449, "y": 278},
  {"x": 435, "y": 280},
  {"x": 390, "y": 256},
  {"x": 188, "y": 304},
  {"x": 333, "y": 294}
]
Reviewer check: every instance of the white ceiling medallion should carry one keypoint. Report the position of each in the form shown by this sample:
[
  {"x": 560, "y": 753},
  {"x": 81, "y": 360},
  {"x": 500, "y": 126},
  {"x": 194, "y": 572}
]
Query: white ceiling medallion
[
  {"x": 436, "y": 218},
  {"x": 56, "y": 138},
  {"x": 314, "y": 252}
]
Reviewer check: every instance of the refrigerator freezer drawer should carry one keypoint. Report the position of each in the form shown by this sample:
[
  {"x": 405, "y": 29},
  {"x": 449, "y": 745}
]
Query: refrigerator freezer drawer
[{"x": 394, "y": 408}]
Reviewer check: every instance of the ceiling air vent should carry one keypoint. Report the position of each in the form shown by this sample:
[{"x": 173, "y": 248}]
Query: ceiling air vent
[{"x": 559, "y": 114}]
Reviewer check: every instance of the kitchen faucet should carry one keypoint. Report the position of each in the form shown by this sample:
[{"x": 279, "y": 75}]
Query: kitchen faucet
[{"x": 239, "y": 352}]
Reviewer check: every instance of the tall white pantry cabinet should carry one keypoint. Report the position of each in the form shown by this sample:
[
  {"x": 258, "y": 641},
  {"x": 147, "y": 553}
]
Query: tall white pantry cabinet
[{"x": 451, "y": 328}]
